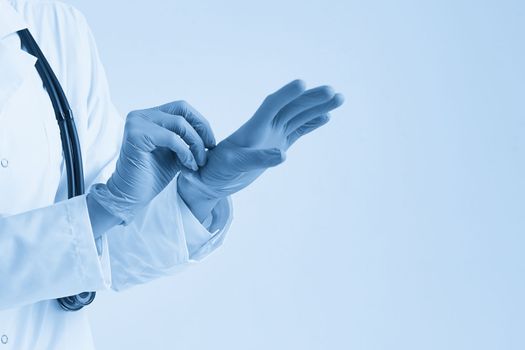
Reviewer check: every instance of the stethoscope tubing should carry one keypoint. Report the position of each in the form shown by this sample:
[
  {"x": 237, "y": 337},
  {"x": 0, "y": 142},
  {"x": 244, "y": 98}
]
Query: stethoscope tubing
[{"x": 70, "y": 144}]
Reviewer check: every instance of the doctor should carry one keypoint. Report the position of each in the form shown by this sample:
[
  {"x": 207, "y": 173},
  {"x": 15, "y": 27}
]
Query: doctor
[{"x": 158, "y": 185}]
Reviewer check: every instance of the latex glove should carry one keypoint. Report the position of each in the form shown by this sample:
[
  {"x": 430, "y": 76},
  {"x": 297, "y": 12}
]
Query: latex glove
[
  {"x": 263, "y": 140},
  {"x": 157, "y": 142}
]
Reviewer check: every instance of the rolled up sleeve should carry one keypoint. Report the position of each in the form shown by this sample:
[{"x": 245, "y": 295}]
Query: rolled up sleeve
[
  {"x": 163, "y": 239},
  {"x": 199, "y": 240}
]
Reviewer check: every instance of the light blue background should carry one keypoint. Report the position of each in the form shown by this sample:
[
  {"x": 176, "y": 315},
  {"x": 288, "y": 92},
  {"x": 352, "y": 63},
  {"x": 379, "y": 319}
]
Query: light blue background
[{"x": 400, "y": 225}]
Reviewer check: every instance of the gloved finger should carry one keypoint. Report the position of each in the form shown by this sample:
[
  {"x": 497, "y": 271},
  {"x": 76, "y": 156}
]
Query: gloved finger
[
  {"x": 199, "y": 123},
  {"x": 185, "y": 130},
  {"x": 254, "y": 159},
  {"x": 308, "y": 99},
  {"x": 277, "y": 100},
  {"x": 162, "y": 137},
  {"x": 312, "y": 113},
  {"x": 308, "y": 128}
]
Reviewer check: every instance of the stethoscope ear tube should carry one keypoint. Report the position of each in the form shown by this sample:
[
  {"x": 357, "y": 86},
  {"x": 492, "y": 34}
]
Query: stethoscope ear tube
[{"x": 70, "y": 144}]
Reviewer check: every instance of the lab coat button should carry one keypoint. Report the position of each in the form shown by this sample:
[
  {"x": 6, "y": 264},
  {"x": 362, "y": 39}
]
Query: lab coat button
[
  {"x": 4, "y": 339},
  {"x": 5, "y": 164}
]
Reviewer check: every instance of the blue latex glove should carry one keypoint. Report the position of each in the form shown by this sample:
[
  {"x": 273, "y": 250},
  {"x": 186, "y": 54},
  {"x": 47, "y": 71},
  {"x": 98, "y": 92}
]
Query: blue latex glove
[
  {"x": 263, "y": 140},
  {"x": 157, "y": 142}
]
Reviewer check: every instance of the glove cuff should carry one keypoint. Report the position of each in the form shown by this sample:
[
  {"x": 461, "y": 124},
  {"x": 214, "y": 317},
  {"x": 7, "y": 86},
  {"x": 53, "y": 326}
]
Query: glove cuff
[
  {"x": 115, "y": 205},
  {"x": 193, "y": 180}
]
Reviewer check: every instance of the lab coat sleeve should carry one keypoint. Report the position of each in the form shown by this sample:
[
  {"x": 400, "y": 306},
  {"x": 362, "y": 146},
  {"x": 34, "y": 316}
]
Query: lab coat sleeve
[
  {"x": 165, "y": 235},
  {"x": 164, "y": 238},
  {"x": 48, "y": 253}
]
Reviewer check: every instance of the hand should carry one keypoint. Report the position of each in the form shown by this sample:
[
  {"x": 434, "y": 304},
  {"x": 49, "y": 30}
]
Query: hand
[
  {"x": 263, "y": 140},
  {"x": 157, "y": 142}
]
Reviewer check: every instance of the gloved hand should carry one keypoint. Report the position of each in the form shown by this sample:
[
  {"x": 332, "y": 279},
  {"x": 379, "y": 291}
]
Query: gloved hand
[
  {"x": 157, "y": 142},
  {"x": 263, "y": 140}
]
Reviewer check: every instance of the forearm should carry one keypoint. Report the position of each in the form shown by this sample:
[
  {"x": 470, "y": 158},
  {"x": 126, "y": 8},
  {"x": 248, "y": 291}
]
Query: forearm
[
  {"x": 200, "y": 204},
  {"x": 101, "y": 219}
]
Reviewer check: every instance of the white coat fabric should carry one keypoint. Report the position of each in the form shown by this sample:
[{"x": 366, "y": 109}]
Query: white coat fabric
[{"x": 47, "y": 248}]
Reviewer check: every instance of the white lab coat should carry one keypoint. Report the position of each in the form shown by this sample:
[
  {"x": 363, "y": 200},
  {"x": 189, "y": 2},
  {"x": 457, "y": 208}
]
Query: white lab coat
[{"x": 47, "y": 248}]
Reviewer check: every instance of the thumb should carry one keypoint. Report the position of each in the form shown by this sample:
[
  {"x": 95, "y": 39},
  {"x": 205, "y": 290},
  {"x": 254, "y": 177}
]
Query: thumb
[{"x": 255, "y": 159}]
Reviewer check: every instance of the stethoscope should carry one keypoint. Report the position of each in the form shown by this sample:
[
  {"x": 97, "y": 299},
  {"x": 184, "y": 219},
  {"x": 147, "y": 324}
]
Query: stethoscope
[{"x": 70, "y": 144}]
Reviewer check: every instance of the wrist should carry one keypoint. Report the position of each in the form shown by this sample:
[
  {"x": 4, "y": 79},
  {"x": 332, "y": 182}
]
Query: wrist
[{"x": 199, "y": 199}]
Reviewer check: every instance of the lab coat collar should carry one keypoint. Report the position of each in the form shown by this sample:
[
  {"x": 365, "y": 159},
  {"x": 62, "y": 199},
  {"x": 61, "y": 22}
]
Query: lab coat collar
[
  {"x": 10, "y": 20},
  {"x": 15, "y": 64}
]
